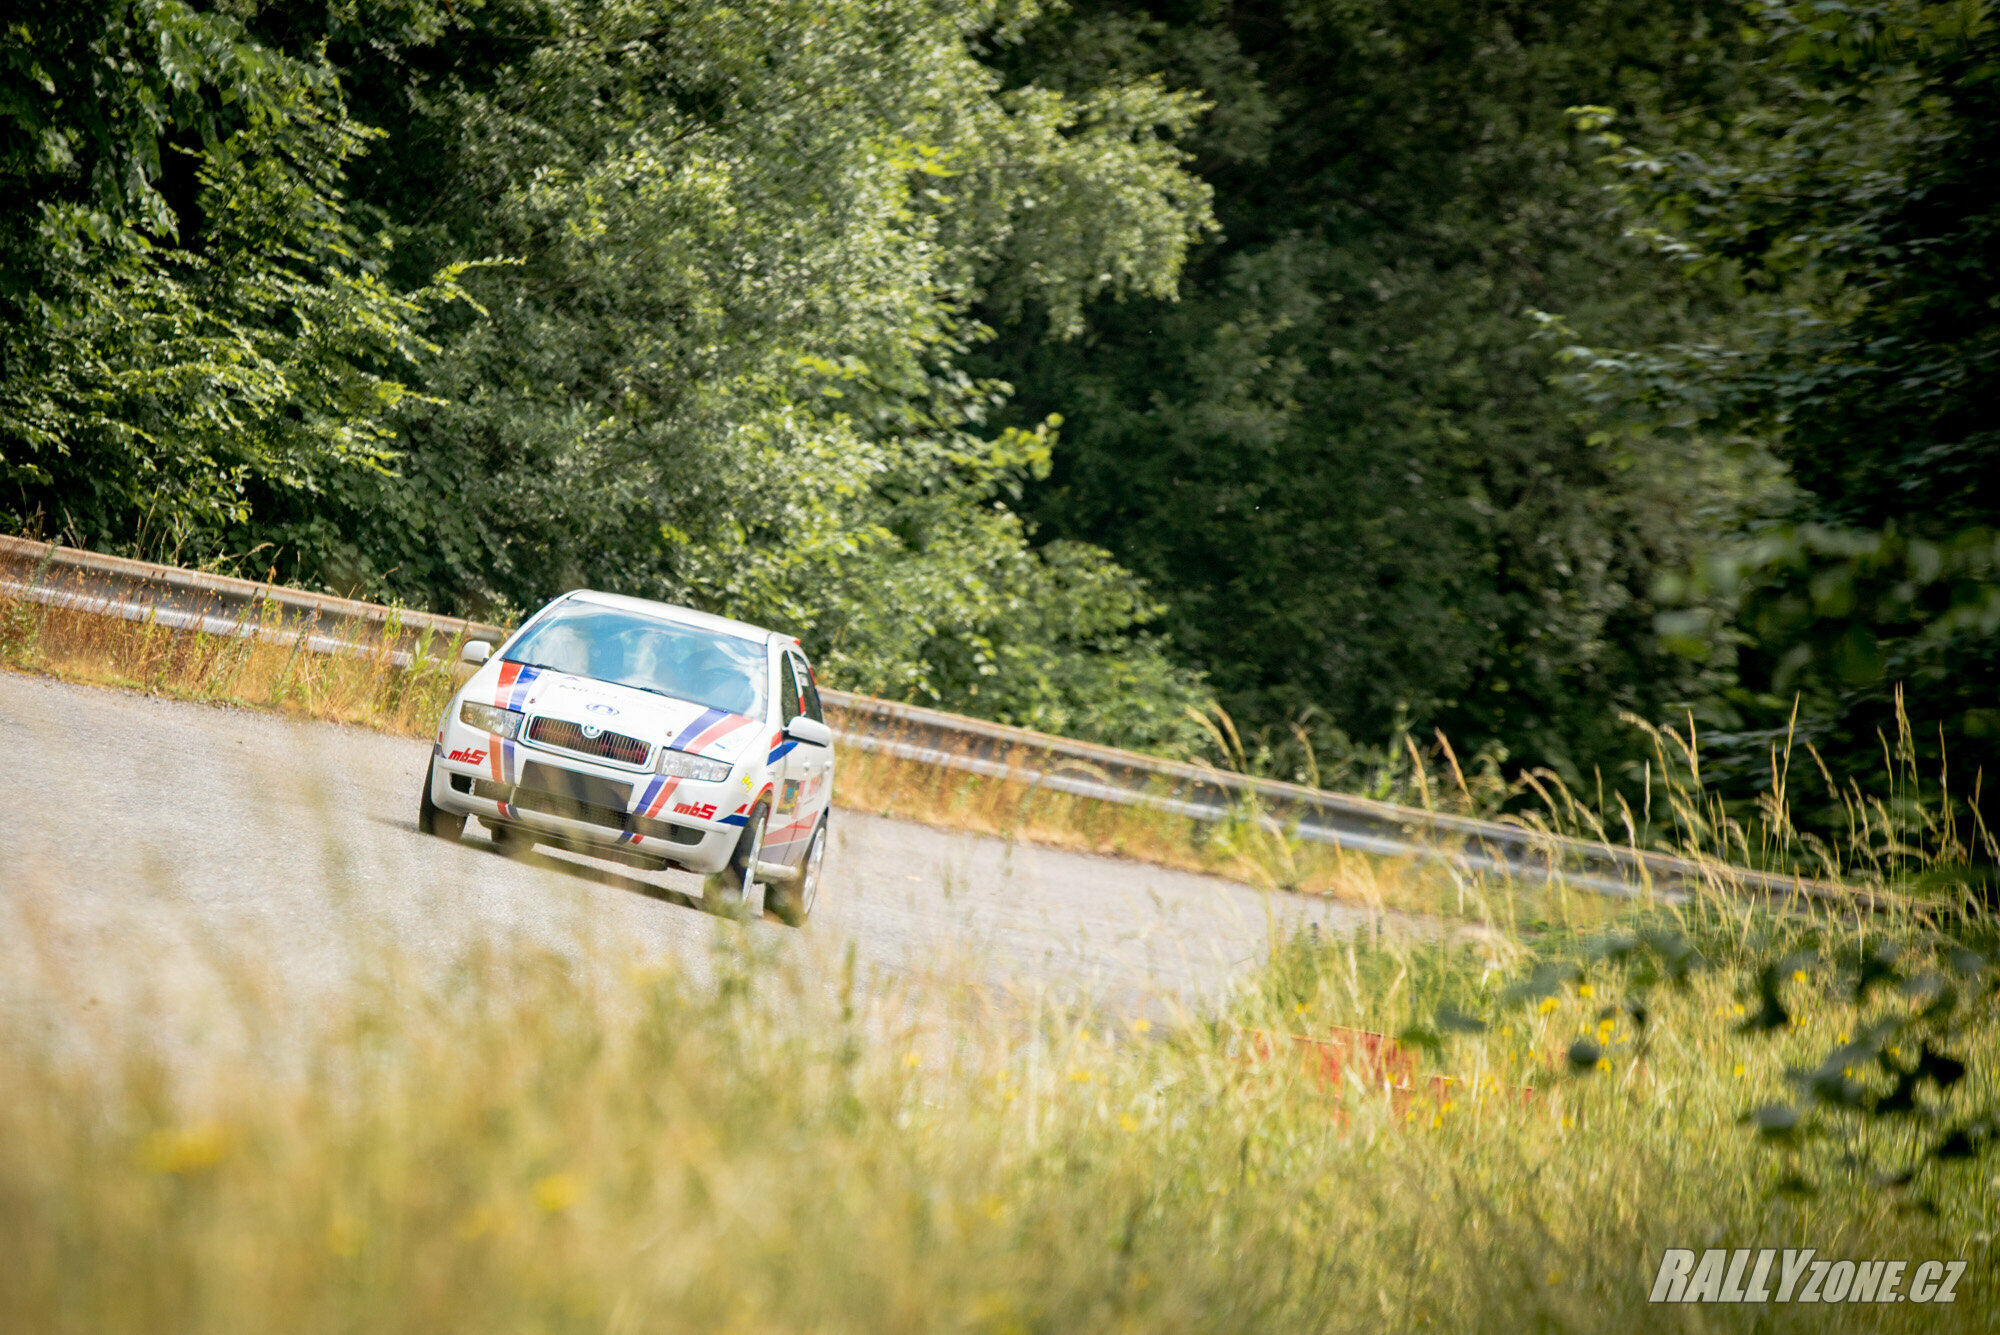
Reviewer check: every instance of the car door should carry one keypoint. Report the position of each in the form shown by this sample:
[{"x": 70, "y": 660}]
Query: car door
[
  {"x": 791, "y": 820},
  {"x": 816, "y": 762}
]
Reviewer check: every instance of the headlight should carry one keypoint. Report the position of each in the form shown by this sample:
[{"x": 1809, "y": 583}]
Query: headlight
[
  {"x": 499, "y": 722},
  {"x": 681, "y": 765}
]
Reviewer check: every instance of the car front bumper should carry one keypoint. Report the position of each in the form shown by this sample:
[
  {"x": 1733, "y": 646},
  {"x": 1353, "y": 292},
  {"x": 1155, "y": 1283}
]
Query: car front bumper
[{"x": 568, "y": 799}]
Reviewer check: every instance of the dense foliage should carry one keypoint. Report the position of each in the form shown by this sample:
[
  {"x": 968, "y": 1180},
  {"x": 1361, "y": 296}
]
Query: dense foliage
[
  {"x": 1849, "y": 205},
  {"x": 1493, "y": 368},
  {"x": 1340, "y": 456},
  {"x": 1560, "y": 362},
  {"x": 710, "y": 350},
  {"x": 183, "y": 307}
]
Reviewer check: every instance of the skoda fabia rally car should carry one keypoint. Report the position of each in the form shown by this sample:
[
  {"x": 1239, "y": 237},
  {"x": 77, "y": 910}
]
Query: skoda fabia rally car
[{"x": 649, "y": 731}]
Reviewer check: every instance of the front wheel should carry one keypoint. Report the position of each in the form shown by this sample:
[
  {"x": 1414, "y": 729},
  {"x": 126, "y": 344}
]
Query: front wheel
[
  {"x": 791, "y": 904},
  {"x": 735, "y": 886},
  {"x": 433, "y": 819}
]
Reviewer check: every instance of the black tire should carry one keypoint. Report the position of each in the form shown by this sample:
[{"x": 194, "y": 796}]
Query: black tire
[
  {"x": 433, "y": 819},
  {"x": 511, "y": 840},
  {"x": 734, "y": 888},
  {"x": 791, "y": 903}
]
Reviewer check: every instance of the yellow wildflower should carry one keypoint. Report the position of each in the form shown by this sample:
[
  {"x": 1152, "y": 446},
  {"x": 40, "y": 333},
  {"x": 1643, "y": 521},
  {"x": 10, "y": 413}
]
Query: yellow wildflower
[
  {"x": 556, "y": 1192},
  {"x": 184, "y": 1150}
]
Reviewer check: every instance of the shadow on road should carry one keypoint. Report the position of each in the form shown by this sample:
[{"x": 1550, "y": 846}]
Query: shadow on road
[{"x": 596, "y": 874}]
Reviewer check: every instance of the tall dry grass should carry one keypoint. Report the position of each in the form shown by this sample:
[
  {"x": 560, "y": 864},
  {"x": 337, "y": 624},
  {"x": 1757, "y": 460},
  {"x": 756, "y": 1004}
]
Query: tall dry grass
[
  {"x": 242, "y": 667},
  {"x": 589, "y": 1143},
  {"x": 546, "y": 1144},
  {"x": 1916, "y": 834},
  {"x": 1244, "y": 845}
]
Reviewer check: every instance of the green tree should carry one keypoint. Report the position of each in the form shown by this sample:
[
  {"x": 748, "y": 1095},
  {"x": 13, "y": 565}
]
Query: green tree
[
  {"x": 1846, "y": 199},
  {"x": 718, "y": 265},
  {"x": 183, "y": 312},
  {"x": 1340, "y": 457}
]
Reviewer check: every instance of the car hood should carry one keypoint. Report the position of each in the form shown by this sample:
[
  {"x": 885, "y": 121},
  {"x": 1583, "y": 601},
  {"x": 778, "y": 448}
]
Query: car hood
[{"x": 680, "y": 724}]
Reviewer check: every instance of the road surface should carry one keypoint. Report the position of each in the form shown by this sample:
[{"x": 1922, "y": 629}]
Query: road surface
[{"x": 152, "y": 849}]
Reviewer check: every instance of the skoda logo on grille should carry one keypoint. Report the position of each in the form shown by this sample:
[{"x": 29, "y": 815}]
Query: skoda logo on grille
[{"x": 592, "y": 731}]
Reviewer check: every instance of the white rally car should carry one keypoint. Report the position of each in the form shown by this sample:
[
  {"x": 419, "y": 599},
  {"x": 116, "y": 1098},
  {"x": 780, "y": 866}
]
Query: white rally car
[{"x": 668, "y": 735}]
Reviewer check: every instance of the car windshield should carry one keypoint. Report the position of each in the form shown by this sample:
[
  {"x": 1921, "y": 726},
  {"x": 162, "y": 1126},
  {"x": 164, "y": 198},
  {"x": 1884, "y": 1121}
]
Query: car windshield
[{"x": 610, "y": 644}]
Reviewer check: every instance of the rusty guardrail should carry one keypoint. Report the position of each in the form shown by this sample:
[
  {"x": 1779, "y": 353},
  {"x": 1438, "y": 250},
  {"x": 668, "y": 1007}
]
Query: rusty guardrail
[{"x": 116, "y": 586}]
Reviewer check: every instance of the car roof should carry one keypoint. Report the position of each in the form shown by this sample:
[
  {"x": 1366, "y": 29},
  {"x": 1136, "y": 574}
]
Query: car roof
[{"x": 687, "y": 616}]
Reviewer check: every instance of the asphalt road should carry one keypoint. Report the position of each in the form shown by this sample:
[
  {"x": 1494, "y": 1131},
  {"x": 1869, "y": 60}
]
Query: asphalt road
[{"x": 152, "y": 849}]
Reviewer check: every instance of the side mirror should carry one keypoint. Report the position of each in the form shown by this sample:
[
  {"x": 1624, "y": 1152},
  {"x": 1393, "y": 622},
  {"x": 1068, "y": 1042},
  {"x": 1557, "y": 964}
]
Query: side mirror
[
  {"x": 808, "y": 732},
  {"x": 475, "y": 652}
]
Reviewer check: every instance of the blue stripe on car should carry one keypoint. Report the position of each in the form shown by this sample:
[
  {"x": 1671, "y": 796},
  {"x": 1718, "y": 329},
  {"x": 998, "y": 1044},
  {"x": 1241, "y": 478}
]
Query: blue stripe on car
[
  {"x": 519, "y": 695},
  {"x": 647, "y": 794},
  {"x": 707, "y": 719}
]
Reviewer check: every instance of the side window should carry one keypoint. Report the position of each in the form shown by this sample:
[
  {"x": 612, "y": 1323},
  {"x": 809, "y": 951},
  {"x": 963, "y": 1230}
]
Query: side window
[
  {"x": 811, "y": 692},
  {"x": 788, "y": 691}
]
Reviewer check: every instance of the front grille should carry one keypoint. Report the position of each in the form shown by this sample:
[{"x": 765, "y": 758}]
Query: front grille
[
  {"x": 587, "y": 788},
  {"x": 569, "y": 736},
  {"x": 529, "y": 799}
]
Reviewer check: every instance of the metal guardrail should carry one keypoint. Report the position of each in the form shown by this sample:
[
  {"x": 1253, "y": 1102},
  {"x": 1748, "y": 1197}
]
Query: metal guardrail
[
  {"x": 1202, "y": 792},
  {"x": 114, "y": 586},
  {"x": 181, "y": 599}
]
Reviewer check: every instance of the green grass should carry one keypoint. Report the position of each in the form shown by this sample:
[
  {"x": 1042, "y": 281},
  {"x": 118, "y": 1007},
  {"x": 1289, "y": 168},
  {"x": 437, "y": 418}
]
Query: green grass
[{"x": 535, "y": 1143}]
